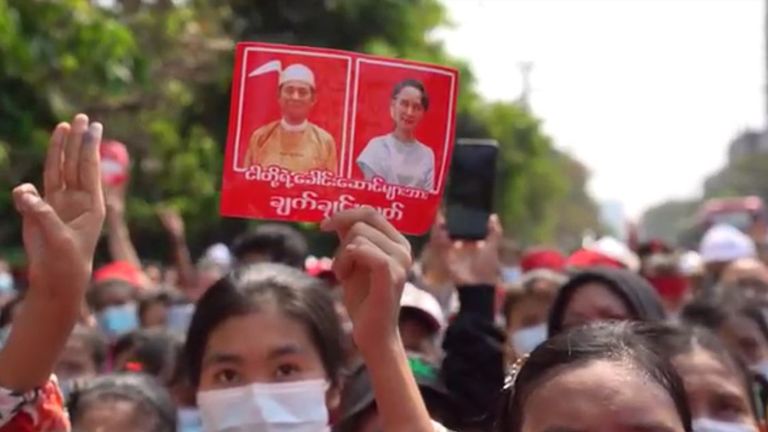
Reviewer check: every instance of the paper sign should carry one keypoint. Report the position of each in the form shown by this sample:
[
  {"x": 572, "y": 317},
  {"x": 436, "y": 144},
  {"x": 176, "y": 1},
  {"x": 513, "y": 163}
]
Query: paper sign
[
  {"x": 115, "y": 163},
  {"x": 316, "y": 131}
]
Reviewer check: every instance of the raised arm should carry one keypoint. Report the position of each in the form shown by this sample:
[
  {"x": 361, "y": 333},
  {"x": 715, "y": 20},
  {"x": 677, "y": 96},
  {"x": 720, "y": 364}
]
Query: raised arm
[
  {"x": 60, "y": 232},
  {"x": 372, "y": 262},
  {"x": 182, "y": 259}
]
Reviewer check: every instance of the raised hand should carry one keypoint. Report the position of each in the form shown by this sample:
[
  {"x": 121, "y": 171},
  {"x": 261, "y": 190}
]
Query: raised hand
[
  {"x": 371, "y": 263},
  {"x": 473, "y": 263},
  {"x": 172, "y": 222},
  {"x": 61, "y": 229}
]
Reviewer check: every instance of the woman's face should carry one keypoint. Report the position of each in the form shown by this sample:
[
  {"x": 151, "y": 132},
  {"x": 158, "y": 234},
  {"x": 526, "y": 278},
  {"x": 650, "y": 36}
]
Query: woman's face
[
  {"x": 600, "y": 396},
  {"x": 591, "y": 302},
  {"x": 260, "y": 347},
  {"x": 407, "y": 109},
  {"x": 714, "y": 390}
]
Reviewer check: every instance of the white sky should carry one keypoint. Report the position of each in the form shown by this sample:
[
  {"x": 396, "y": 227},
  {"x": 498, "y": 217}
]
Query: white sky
[{"x": 647, "y": 93}]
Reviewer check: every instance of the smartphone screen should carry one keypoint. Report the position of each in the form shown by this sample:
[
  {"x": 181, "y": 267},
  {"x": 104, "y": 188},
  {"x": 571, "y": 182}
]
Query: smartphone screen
[{"x": 470, "y": 188}]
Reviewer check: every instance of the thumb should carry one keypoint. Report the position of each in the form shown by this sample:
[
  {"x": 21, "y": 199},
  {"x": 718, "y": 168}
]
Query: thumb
[{"x": 35, "y": 209}]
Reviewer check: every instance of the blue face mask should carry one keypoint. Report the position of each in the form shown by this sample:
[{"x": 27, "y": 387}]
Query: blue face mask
[
  {"x": 179, "y": 317},
  {"x": 510, "y": 274},
  {"x": 116, "y": 321},
  {"x": 527, "y": 339},
  {"x": 189, "y": 420}
]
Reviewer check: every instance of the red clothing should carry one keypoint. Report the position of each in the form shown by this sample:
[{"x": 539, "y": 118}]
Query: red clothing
[{"x": 40, "y": 410}]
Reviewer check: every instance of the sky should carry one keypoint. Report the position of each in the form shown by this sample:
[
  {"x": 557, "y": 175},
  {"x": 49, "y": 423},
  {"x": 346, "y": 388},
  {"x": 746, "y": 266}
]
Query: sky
[{"x": 647, "y": 93}]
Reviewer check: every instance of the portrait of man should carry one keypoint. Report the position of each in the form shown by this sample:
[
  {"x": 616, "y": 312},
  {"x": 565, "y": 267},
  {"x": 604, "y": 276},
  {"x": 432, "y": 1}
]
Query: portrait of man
[
  {"x": 293, "y": 142},
  {"x": 398, "y": 157}
]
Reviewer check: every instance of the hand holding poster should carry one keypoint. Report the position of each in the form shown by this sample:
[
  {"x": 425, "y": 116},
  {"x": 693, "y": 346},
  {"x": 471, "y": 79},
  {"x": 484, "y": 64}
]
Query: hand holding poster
[{"x": 316, "y": 131}]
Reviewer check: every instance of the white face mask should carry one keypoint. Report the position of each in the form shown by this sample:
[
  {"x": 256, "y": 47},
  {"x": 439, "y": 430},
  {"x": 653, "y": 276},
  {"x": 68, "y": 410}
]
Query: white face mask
[
  {"x": 285, "y": 407},
  {"x": 527, "y": 339},
  {"x": 711, "y": 425}
]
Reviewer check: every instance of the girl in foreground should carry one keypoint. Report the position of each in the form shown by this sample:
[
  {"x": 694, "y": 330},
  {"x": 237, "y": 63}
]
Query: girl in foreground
[{"x": 264, "y": 346}]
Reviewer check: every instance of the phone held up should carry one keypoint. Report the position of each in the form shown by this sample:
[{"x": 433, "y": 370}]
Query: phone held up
[{"x": 471, "y": 188}]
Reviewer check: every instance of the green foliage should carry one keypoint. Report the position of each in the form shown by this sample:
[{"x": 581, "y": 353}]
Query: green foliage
[{"x": 158, "y": 75}]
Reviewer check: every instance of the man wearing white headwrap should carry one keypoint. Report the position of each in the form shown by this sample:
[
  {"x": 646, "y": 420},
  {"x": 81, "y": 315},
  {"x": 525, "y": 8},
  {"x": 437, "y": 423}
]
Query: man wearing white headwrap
[{"x": 293, "y": 142}]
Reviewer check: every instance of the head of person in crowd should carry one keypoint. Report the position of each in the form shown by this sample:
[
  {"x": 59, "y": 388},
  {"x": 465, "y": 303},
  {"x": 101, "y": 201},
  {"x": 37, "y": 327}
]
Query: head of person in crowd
[
  {"x": 153, "y": 308},
  {"x": 602, "y": 377},
  {"x": 263, "y": 334},
  {"x": 270, "y": 242},
  {"x": 525, "y": 310},
  {"x": 421, "y": 321},
  {"x": 604, "y": 294},
  {"x": 543, "y": 270},
  {"x": 741, "y": 326},
  {"x": 112, "y": 299},
  {"x": 154, "y": 272},
  {"x": 749, "y": 276},
  {"x": 155, "y": 352},
  {"x": 718, "y": 387},
  {"x": 586, "y": 258},
  {"x": 721, "y": 245},
  {"x": 663, "y": 272},
  {"x": 358, "y": 413},
  {"x": 122, "y": 402},
  {"x": 84, "y": 357}
]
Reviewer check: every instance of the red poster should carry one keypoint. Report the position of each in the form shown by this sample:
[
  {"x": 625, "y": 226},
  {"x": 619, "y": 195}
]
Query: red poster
[{"x": 316, "y": 131}]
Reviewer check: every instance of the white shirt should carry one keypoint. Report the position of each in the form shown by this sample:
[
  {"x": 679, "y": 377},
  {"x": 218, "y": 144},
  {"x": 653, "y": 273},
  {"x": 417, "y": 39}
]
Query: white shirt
[{"x": 402, "y": 163}]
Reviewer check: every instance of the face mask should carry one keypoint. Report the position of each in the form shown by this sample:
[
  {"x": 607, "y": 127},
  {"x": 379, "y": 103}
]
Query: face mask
[
  {"x": 510, "y": 274},
  {"x": 179, "y": 317},
  {"x": 285, "y": 407},
  {"x": 116, "y": 321},
  {"x": 710, "y": 425},
  {"x": 189, "y": 420},
  {"x": 527, "y": 339}
]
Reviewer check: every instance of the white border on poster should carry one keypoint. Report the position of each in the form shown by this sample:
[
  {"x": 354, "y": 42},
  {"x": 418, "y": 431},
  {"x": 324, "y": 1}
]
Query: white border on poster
[
  {"x": 439, "y": 181},
  {"x": 244, "y": 75}
]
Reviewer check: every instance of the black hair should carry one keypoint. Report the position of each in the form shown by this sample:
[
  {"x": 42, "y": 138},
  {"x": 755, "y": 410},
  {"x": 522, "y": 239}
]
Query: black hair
[
  {"x": 281, "y": 243},
  {"x": 95, "y": 294},
  {"x": 671, "y": 340},
  {"x": 95, "y": 342},
  {"x": 413, "y": 83},
  {"x": 154, "y": 409},
  {"x": 637, "y": 294},
  {"x": 250, "y": 289},
  {"x": 154, "y": 351},
  {"x": 712, "y": 313},
  {"x": 616, "y": 342}
]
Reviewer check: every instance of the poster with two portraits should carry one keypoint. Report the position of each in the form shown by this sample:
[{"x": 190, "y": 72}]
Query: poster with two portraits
[{"x": 316, "y": 131}]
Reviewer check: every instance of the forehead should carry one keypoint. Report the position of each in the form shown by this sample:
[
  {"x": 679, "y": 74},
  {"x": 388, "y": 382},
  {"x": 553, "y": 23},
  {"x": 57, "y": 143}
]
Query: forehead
[
  {"x": 296, "y": 85},
  {"x": 410, "y": 93},
  {"x": 595, "y": 295},
  {"x": 703, "y": 371},
  {"x": 600, "y": 395},
  {"x": 256, "y": 335}
]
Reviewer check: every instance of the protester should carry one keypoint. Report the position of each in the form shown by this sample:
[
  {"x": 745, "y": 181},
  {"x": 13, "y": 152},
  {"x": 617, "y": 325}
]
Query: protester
[
  {"x": 719, "y": 390},
  {"x": 748, "y": 275},
  {"x": 604, "y": 294},
  {"x": 296, "y": 359},
  {"x": 155, "y": 352},
  {"x": 60, "y": 232},
  {"x": 113, "y": 301},
  {"x": 421, "y": 322},
  {"x": 153, "y": 308},
  {"x": 525, "y": 314},
  {"x": 721, "y": 245},
  {"x": 270, "y": 242},
  {"x": 602, "y": 377},
  {"x": 663, "y": 271},
  {"x": 543, "y": 270},
  {"x": 122, "y": 402},
  {"x": 84, "y": 356}
]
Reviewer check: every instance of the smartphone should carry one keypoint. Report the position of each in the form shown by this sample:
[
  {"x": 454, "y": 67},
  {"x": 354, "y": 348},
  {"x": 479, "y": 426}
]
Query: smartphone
[{"x": 469, "y": 198}]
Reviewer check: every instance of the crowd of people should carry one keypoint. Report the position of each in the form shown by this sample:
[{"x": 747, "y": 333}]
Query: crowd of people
[{"x": 464, "y": 336}]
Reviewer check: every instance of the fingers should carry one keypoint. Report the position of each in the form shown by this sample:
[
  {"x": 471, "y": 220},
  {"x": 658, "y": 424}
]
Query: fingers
[
  {"x": 393, "y": 249},
  {"x": 52, "y": 174},
  {"x": 89, "y": 170},
  {"x": 341, "y": 222},
  {"x": 72, "y": 151},
  {"x": 30, "y": 205},
  {"x": 362, "y": 252},
  {"x": 495, "y": 230}
]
